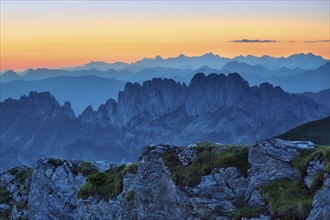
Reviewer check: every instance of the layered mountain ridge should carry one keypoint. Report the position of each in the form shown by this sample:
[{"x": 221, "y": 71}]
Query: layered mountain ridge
[{"x": 215, "y": 108}]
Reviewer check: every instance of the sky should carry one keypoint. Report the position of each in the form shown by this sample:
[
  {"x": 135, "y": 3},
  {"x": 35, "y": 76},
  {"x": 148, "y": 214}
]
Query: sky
[{"x": 68, "y": 33}]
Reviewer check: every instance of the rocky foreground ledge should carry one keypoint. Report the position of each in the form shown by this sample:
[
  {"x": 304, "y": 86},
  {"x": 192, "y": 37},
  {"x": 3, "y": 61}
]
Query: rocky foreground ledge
[{"x": 272, "y": 179}]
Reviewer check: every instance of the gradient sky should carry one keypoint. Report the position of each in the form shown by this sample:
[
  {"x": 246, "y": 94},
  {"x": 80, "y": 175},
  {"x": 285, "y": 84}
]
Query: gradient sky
[{"x": 67, "y": 33}]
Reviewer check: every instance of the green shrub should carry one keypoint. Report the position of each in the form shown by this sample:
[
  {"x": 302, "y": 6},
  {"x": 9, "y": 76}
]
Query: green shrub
[
  {"x": 105, "y": 185},
  {"x": 287, "y": 199},
  {"x": 317, "y": 182},
  {"x": 208, "y": 157}
]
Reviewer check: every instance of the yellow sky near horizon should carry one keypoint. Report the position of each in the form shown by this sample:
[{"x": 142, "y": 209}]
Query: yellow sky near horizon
[{"x": 57, "y": 33}]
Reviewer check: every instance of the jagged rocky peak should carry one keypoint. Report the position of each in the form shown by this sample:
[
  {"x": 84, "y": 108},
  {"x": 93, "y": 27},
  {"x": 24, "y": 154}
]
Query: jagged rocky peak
[
  {"x": 42, "y": 103},
  {"x": 203, "y": 181}
]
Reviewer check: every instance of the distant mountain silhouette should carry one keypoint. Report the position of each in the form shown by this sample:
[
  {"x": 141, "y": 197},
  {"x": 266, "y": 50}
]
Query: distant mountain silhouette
[
  {"x": 100, "y": 65},
  {"x": 307, "y": 81},
  {"x": 9, "y": 75},
  {"x": 302, "y": 61},
  {"x": 81, "y": 91},
  {"x": 322, "y": 97},
  {"x": 258, "y": 70}
]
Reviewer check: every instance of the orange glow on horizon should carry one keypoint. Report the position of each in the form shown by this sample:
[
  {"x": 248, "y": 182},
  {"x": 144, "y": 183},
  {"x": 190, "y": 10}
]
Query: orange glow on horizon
[{"x": 60, "y": 34}]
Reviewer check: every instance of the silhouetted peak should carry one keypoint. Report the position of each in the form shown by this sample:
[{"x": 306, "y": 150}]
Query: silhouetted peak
[
  {"x": 266, "y": 86},
  {"x": 9, "y": 72},
  {"x": 158, "y": 58},
  {"x": 181, "y": 56},
  {"x": 198, "y": 77}
]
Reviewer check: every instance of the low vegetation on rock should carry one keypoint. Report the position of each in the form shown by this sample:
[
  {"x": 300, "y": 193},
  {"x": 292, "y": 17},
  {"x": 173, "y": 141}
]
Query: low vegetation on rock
[
  {"x": 209, "y": 156},
  {"x": 287, "y": 199},
  {"x": 21, "y": 174},
  {"x": 86, "y": 168},
  {"x": 302, "y": 161},
  {"x": 108, "y": 184}
]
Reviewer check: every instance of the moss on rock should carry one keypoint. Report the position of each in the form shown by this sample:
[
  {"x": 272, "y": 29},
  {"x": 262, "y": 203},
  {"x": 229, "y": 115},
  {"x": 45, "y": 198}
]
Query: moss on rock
[
  {"x": 301, "y": 162},
  {"x": 287, "y": 199},
  {"x": 106, "y": 185},
  {"x": 209, "y": 156}
]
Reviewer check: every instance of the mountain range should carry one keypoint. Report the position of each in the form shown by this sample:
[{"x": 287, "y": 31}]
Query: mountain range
[
  {"x": 96, "y": 86},
  {"x": 303, "y": 61},
  {"x": 215, "y": 108}
]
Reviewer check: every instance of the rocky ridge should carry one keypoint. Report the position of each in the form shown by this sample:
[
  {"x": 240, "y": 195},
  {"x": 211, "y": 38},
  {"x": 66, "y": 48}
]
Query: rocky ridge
[
  {"x": 214, "y": 108},
  {"x": 155, "y": 187}
]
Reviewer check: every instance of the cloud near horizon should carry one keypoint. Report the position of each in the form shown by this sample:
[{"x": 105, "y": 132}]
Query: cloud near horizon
[
  {"x": 317, "y": 41},
  {"x": 254, "y": 41}
]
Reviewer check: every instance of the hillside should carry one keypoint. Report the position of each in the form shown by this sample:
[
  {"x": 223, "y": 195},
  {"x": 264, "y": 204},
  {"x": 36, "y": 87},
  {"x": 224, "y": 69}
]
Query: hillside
[{"x": 316, "y": 131}]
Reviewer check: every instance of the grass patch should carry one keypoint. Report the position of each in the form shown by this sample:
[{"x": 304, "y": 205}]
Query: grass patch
[
  {"x": 21, "y": 174},
  {"x": 22, "y": 205},
  {"x": 5, "y": 196},
  {"x": 86, "y": 168},
  {"x": 301, "y": 162},
  {"x": 56, "y": 162},
  {"x": 247, "y": 212},
  {"x": 129, "y": 195},
  {"x": 317, "y": 182},
  {"x": 6, "y": 214},
  {"x": 106, "y": 185},
  {"x": 287, "y": 199},
  {"x": 209, "y": 156}
]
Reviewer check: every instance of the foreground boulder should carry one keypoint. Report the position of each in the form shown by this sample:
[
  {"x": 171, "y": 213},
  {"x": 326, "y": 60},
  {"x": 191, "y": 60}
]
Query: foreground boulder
[{"x": 203, "y": 181}]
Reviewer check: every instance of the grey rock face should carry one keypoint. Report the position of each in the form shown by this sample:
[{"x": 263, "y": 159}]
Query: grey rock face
[
  {"x": 17, "y": 182},
  {"x": 215, "y": 195},
  {"x": 315, "y": 167},
  {"x": 270, "y": 160},
  {"x": 150, "y": 193},
  {"x": 53, "y": 191},
  {"x": 321, "y": 203},
  {"x": 156, "y": 196}
]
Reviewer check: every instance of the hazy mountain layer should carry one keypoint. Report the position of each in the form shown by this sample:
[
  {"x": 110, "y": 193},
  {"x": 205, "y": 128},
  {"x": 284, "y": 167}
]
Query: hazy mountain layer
[
  {"x": 322, "y": 97},
  {"x": 80, "y": 91},
  {"x": 215, "y": 108}
]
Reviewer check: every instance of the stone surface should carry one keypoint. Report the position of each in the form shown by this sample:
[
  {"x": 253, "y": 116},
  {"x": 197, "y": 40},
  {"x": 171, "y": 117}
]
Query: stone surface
[
  {"x": 270, "y": 159},
  {"x": 51, "y": 192},
  {"x": 321, "y": 203},
  {"x": 315, "y": 167}
]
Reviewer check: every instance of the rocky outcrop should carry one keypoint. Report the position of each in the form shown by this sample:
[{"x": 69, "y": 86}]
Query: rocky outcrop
[
  {"x": 321, "y": 203},
  {"x": 150, "y": 192},
  {"x": 314, "y": 168},
  {"x": 271, "y": 159}
]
